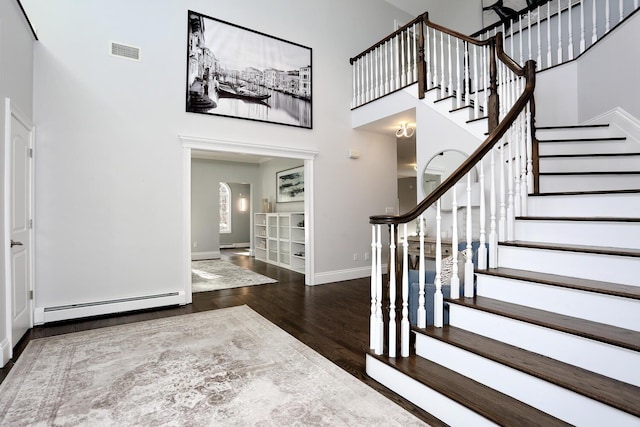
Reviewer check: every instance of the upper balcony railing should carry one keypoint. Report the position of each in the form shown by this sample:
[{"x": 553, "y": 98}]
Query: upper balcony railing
[{"x": 557, "y": 32}]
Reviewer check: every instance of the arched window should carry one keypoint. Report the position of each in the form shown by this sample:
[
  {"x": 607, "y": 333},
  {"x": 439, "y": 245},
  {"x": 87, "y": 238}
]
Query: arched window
[{"x": 225, "y": 208}]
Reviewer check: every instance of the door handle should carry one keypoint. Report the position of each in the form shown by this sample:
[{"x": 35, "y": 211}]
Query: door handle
[{"x": 13, "y": 243}]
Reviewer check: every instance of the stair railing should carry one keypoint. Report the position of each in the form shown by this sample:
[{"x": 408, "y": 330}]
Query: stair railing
[
  {"x": 554, "y": 33},
  {"x": 468, "y": 74}
]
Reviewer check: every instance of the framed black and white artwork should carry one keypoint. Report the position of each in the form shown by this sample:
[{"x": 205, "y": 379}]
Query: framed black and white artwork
[
  {"x": 290, "y": 185},
  {"x": 236, "y": 72}
]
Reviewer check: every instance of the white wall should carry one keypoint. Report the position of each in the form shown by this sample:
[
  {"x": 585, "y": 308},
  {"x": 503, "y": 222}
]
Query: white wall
[
  {"x": 205, "y": 176},
  {"x": 16, "y": 83},
  {"x": 109, "y": 173}
]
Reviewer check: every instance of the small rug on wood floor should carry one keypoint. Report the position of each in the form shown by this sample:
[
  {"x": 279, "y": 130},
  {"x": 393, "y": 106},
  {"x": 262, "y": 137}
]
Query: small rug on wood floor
[
  {"x": 216, "y": 274},
  {"x": 222, "y": 367}
]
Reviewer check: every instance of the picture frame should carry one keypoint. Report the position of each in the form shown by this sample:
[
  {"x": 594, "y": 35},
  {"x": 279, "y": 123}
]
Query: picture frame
[
  {"x": 290, "y": 185},
  {"x": 241, "y": 73}
]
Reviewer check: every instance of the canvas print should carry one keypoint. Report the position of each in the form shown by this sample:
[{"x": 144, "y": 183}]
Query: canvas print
[
  {"x": 494, "y": 11},
  {"x": 290, "y": 185},
  {"x": 236, "y": 72}
]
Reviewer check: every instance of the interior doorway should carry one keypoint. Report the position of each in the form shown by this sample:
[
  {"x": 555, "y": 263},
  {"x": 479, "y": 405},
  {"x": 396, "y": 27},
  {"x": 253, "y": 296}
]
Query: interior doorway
[{"x": 226, "y": 149}]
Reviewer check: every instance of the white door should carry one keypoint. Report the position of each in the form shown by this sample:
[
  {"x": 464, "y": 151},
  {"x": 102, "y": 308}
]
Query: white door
[{"x": 19, "y": 156}]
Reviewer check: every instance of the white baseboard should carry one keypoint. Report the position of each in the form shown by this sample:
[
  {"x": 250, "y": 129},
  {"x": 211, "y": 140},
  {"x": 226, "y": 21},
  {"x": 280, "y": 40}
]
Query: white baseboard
[
  {"x": 619, "y": 118},
  {"x": 342, "y": 275},
  {"x": 235, "y": 245},
  {"x": 75, "y": 311},
  {"x": 5, "y": 352},
  {"x": 197, "y": 256}
]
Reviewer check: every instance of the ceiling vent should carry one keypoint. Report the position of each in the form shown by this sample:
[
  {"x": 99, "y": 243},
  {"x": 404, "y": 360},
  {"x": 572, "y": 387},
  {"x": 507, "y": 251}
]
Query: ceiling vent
[{"x": 124, "y": 51}]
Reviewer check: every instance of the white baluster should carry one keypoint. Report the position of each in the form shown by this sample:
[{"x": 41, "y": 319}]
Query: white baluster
[
  {"x": 383, "y": 77},
  {"x": 485, "y": 79},
  {"x": 493, "y": 235},
  {"x": 559, "y": 34},
  {"x": 392, "y": 293},
  {"x": 529, "y": 153},
  {"x": 458, "y": 75},
  {"x": 530, "y": 56},
  {"x": 415, "y": 53},
  {"x": 467, "y": 88},
  {"x": 450, "y": 70},
  {"x": 620, "y": 10},
  {"x": 387, "y": 80},
  {"x": 405, "y": 327},
  {"x": 517, "y": 202},
  {"x": 443, "y": 87},
  {"x": 502, "y": 222},
  {"x": 510, "y": 199},
  {"x": 570, "y": 44},
  {"x": 427, "y": 57},
  {"x": 395, "y": 63},
  {"x": 539, "y": 31},
  {"x": 434, "y": 56},
  {"x": 549, "y": 64},
  {"x": 482, "y": 248},
  {"x": 520, "y": 36},
  {"x": 455, "y": 279},
  {"x": 523, "y": 162},
  {"x": 607, "y": 14},
  {"x": 594, "y": 36},
  {"x": 422, "y": 314},
  {"x": 409, "y": 61},
  {"x": 468, "y": 266},
  {"x": 376, "y": 76},
  {"x": 476, "y": 103},
  {"x": 379, "y": 318},
  {"x": 403, "y": 76},
  {"x": 373, "y": 322},
  {"x": 354, "y": 85},
  {"x": 583, "y": 43},
  {"x": 437, "y": 296}
]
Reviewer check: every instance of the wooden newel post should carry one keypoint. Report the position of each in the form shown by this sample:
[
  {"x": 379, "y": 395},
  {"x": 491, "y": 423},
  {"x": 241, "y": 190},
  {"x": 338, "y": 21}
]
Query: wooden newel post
[
  {"x": 494, "y": 100},
  {"x": 530, "y": 70},
  {"x": 422, "y": 79}
]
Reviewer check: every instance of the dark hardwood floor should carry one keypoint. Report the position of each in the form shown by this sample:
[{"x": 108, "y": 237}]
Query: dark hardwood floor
[{"x": 333, "y": 319}]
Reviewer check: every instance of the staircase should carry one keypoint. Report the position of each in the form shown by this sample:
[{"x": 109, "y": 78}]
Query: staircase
[{"x": 552, "y": 336}]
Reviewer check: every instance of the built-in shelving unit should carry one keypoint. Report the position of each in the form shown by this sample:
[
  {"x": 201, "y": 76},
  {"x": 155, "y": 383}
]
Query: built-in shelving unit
[{"x": 280, "y": 239}]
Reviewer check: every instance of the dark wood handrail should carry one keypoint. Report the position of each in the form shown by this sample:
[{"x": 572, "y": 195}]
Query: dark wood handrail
[
  {"x": 455, "y": 33},
  {"x": 529, "y": 72},
  {"x": 421, "y": 18}
]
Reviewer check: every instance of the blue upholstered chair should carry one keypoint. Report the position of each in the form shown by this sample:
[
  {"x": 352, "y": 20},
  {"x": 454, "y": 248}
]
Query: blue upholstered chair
[{"x": 430, "y": 288}]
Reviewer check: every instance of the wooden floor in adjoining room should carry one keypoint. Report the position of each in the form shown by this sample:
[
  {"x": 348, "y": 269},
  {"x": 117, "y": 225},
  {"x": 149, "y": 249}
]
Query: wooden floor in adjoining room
[{"x": 333, "y": 318}]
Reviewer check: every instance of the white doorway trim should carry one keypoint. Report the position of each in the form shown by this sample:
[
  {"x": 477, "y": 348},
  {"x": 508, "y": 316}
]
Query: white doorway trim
[{"x": 209, "y": 144}]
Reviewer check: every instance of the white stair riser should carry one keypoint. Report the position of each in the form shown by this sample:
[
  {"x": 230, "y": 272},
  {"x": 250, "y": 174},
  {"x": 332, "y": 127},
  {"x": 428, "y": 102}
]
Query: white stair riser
[
  {"x": 587, "y": 147},
  {"x": 565, "y": 183},
  {"x": 426, "y": 398},
  {"x": 577, "y": 133},
  {"x": 594, "y": 233},
  {"x": 590, "y": 164},
  {"x": 605, "y": 359},
  {"x": 550, "y": 398},
  {"x": 585, "y": 205},
  {"x": 444, "y": 107},
  {"x": 601, "y": 308},
  {"x": 606, "y": 268}
]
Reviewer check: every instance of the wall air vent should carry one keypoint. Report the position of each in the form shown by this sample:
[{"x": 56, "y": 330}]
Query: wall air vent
[{"x": 124, "y": 51}]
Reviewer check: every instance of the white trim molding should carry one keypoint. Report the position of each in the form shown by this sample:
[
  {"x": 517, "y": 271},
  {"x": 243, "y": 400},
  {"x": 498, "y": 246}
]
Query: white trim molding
[
  {"x": 620, "y": 119},
  {"x": 211, "y": 144},
  {"x": 5, "y": 352},
  {"x": 346, "y": 274}
]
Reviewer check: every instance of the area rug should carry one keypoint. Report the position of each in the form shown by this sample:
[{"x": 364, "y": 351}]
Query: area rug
[
  {"x": 227, "y": 367},
  {"x": 216, "y": 274}
]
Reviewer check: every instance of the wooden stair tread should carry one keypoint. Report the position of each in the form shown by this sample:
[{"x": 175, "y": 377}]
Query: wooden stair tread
[
  {"x": 603, "y": 250},
  {"x": 580, "y": 193},
  {"x": 578, "y": 218},
  {"x": 603, "y": 125},
  {"x": 551, "y": 156},
  {"x": 491, "y": 404},
  {"x": 620, "y": 337},
  {"x": 608, "y": 138},
  {"x": 607, "y": 288},
  {"x": 589, "y": 173},
  {"x": 612, "y": 392}
]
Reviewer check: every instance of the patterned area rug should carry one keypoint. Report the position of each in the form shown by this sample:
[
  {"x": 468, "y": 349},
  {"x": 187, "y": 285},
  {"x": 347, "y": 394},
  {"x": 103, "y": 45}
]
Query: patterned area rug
[
  {"x": 216, "y": 274},
  {"x": 223, "y": 367}
]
